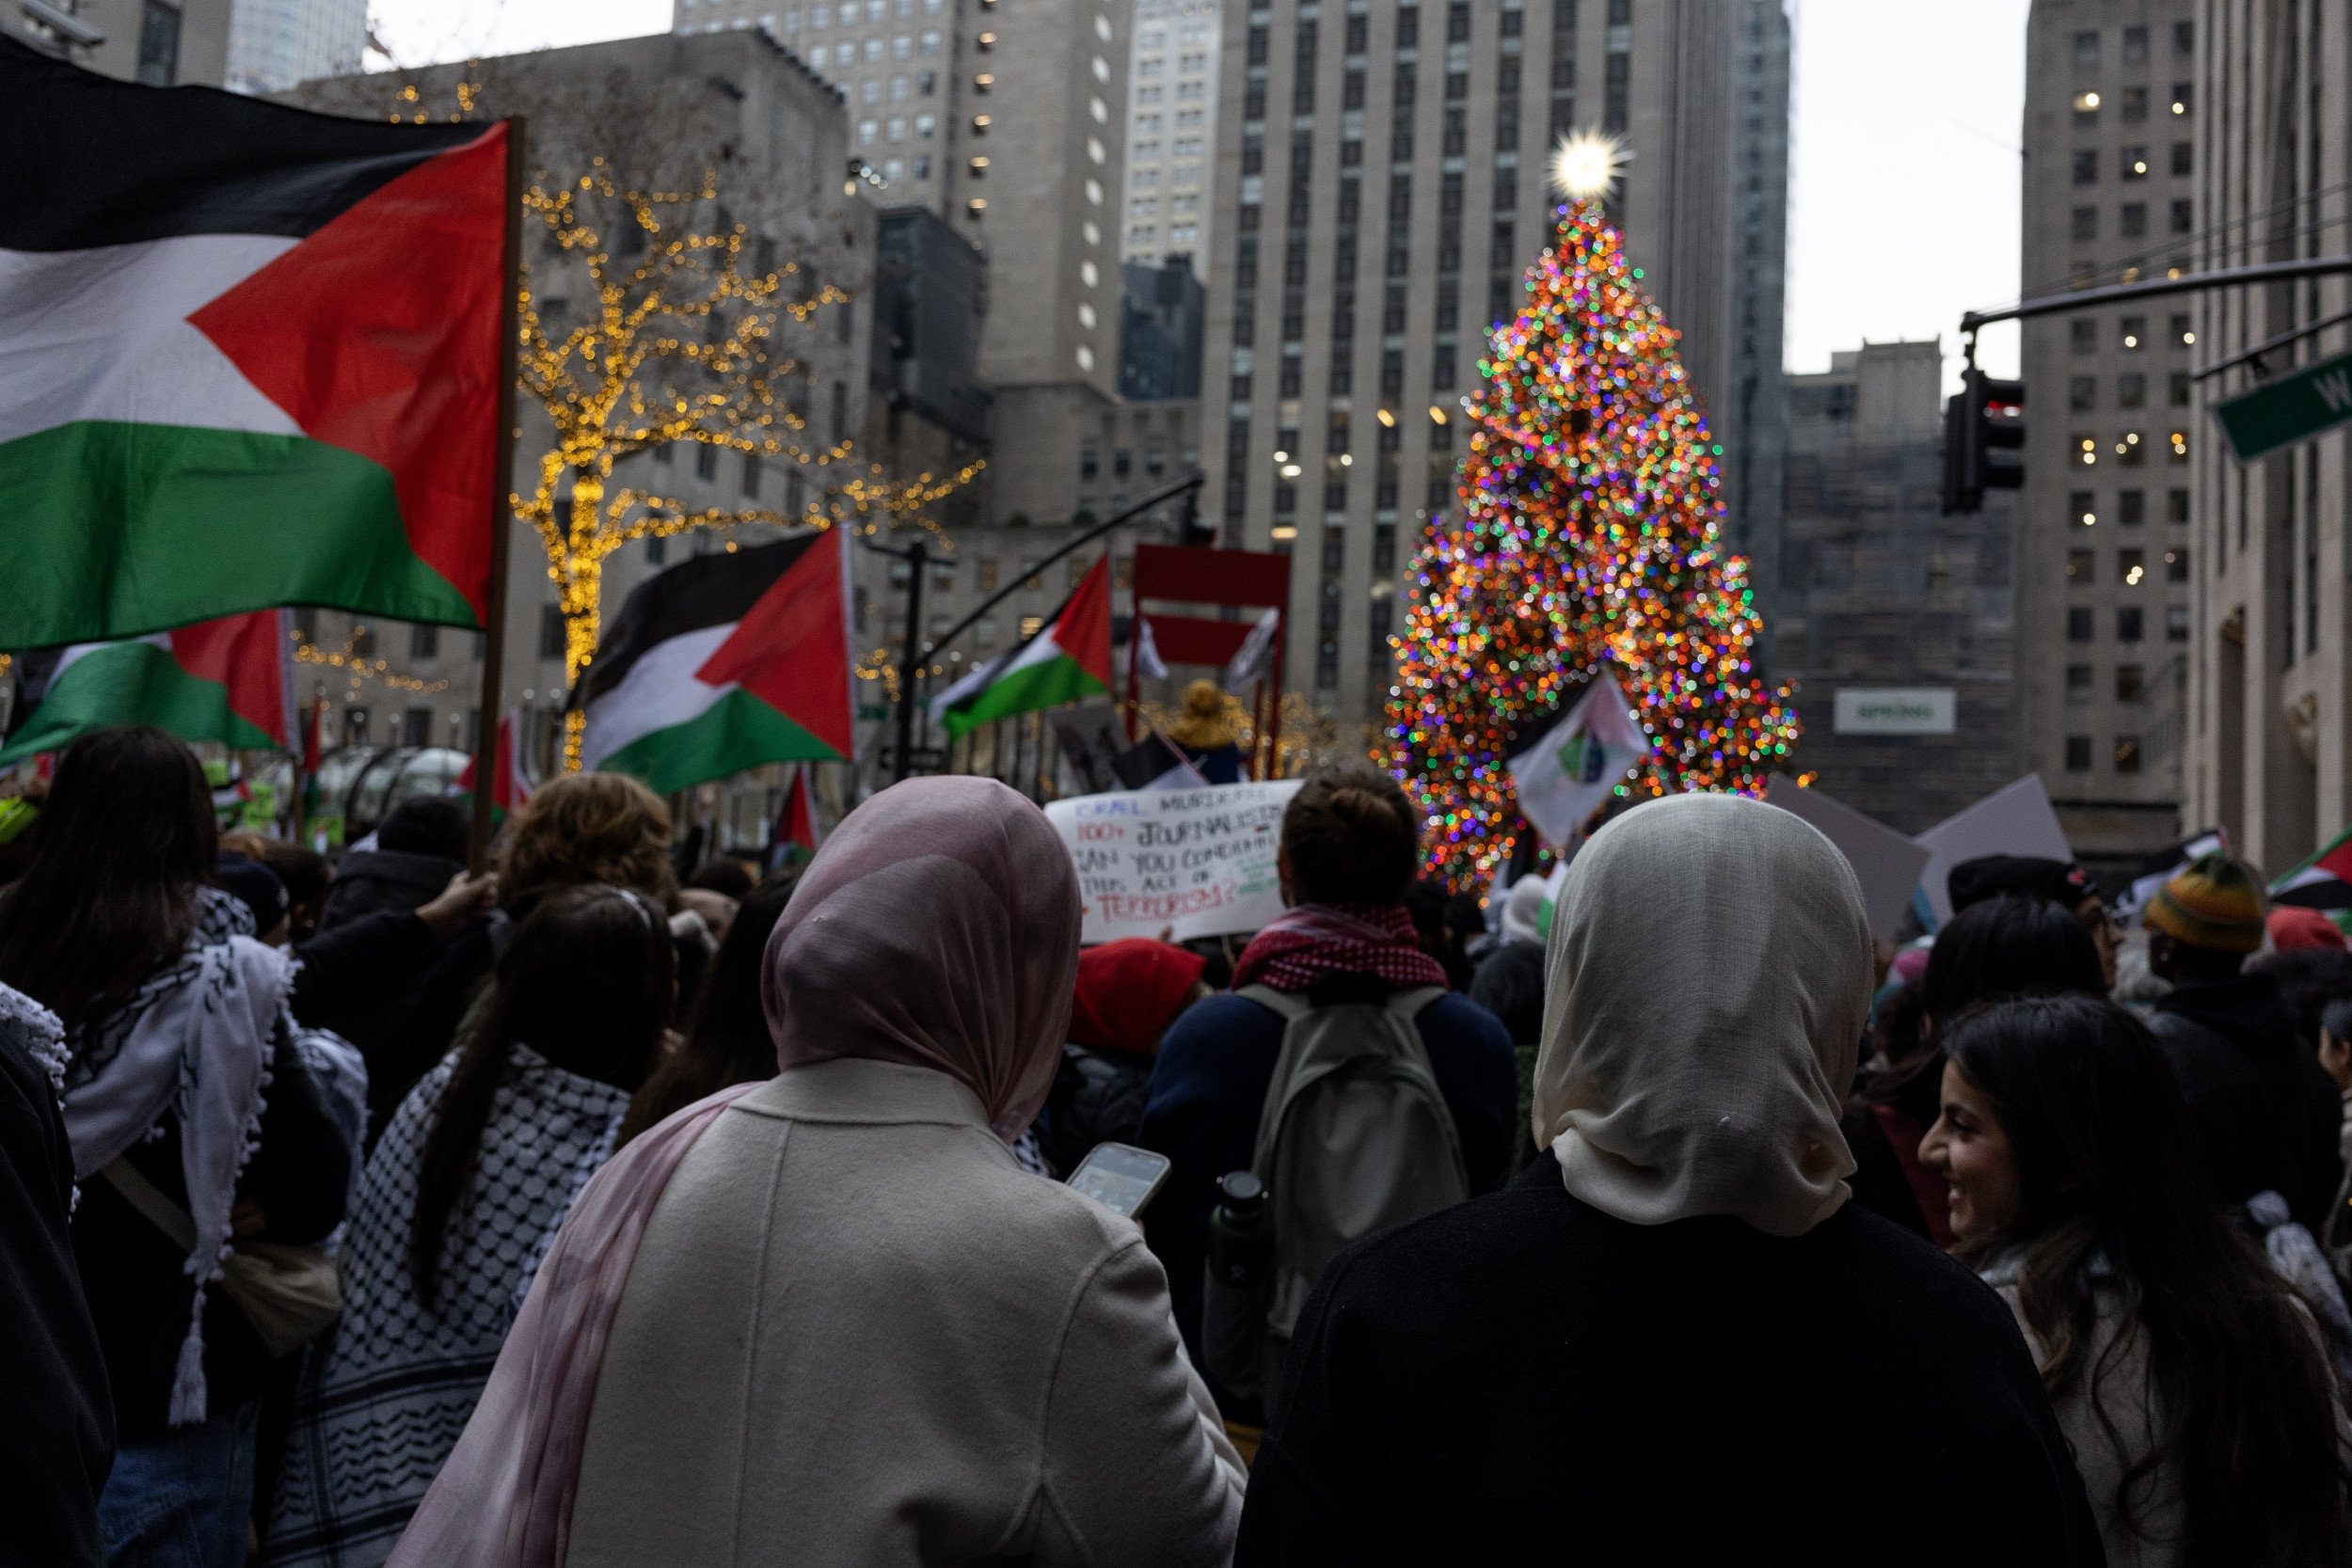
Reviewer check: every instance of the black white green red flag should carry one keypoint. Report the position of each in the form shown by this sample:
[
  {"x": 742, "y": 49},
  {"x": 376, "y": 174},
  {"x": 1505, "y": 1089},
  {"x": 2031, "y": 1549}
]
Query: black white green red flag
[
  {"x": 510, "y": 786},
  {"x": 229, "y": 680},
  {"x": 250, "y": 357},
  {"x": 722, "y": 663},
  {"x": 1068, "y": 657}
]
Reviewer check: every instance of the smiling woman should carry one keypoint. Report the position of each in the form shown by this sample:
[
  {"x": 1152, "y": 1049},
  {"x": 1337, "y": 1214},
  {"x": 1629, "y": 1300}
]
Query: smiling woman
[{"x": 2187, "y": 1379}]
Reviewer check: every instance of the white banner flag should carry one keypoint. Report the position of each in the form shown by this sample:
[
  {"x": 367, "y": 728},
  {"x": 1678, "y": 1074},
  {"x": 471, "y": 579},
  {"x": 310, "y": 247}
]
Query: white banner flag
[{"x": 1564, "y": 777}]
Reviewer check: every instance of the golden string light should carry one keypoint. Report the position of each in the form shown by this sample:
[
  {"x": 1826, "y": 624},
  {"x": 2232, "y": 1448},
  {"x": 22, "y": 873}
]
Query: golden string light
[{"x": 361, "y": 667}]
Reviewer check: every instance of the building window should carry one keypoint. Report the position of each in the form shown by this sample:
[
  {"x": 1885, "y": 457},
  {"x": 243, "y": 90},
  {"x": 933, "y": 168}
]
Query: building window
[
  {"x": 2130, "y": 508},
  {"x": 2176, "y": 622},
  {"x": 355, "y": 726},
  {"x": 2086, "y": 224},
  {"x": 2183, "y": 216},
  {"x": 424, "y": 642},
  {"x": 2134, "y": 330},
  {"x": 2135, "y": 220},
  {"x": 2130, "y": 566},
  {"x": 550, "y": 632},
  {"x": 706, "y": 462},
  {"x": 2085, "y": 336},
  {"x": 2082, "y": 685},
  {"x": 2176, "y": 506},
  {"x": 2183, "y": 331},
  {"x": 2082, "y": 506},
  {"x": 2127, "y": 753},
  {"x": 2129, "y": 623},
  {"x": 2134, "y": 46},
  {"x": 2176, "y": 564},
  {"x": 2132, "y": 163},
  {"x": 159, "y": 43},
  {"x": 2079, "y": 624},
  {"x": 2081, "y": 565},
  {"x": 2131, "y": 390},
  {"x": 2184, "y": 158},
  {"x": 2085, "y": 51},
  {"x": 2181, "y": 99},
  {"x": 416, "y": 727},
  {"x": 2185, "y": 38},
  {"x": 2135, "y": 105},
  {"x": 657, "y": 551},
  {"x": 2082, "y": 391},
  {"x": 2078, "y": 754}
]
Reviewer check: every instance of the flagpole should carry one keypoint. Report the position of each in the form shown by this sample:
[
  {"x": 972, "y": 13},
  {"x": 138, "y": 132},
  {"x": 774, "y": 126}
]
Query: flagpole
[{"x": 501, "y": 523}]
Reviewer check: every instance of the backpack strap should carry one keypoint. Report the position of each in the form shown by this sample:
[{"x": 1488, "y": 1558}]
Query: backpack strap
[
  {"x": 1408, "y": 1004},
  {"x": 1289, "y": 1004}
]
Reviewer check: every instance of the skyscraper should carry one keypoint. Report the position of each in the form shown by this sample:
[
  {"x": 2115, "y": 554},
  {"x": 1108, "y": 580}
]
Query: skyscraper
[
  {"x": 275, "y": 43},
  {"x": 1381, "y": 185},
  {"x": 1172, "y": 130},
  {"x": 2269, "y": 756},
  {"x": 1009, "y": 120},
  {"x": 2105, "y": 542}
]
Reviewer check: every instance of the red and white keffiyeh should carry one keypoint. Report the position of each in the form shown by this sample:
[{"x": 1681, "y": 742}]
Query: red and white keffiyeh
[{"x": 1313, "y": 942}]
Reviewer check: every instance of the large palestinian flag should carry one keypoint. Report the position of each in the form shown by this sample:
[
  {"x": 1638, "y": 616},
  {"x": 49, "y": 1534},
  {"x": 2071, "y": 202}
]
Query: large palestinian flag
[
  {"x": 249, "y": 356},
  {"x": 1068, "y": 657},
  {"x": 722, "y": 663},
  {"x": 229, "y": 680}
]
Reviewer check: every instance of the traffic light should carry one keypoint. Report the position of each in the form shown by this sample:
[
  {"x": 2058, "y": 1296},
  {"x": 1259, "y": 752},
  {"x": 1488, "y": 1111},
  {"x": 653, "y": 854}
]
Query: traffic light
[{"x": 1984, "y": 440}]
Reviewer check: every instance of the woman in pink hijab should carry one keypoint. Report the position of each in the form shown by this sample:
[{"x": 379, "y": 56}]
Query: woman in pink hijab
[{"x": 827, "y": 1319}]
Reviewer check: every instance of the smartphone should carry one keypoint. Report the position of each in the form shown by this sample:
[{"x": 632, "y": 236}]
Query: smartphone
[{"x": 1121, "y": 1177}]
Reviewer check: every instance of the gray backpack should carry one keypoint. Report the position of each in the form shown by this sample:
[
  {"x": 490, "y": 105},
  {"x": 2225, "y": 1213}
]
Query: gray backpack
[{"x": 1355, "y": 1136}]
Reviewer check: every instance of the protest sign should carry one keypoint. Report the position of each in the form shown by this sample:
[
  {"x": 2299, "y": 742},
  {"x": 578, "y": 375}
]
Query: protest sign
[
  {"x": 1885, "y": 862},
  {"x": 2015, "y": 820},
  {"x": 1197, "y": 861}
]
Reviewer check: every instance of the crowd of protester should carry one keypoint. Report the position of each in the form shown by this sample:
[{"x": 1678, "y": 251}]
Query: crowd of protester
[{"x": 607, "y": 1209}]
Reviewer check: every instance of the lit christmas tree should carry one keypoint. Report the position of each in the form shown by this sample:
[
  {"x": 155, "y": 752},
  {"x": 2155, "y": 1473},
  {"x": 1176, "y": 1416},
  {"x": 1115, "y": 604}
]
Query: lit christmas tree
[{"x": 1589, "y": 539}]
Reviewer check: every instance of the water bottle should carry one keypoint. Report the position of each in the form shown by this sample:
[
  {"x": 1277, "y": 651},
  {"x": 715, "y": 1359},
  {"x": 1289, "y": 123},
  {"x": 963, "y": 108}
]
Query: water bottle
[{"x": 1241, "y": 1236}]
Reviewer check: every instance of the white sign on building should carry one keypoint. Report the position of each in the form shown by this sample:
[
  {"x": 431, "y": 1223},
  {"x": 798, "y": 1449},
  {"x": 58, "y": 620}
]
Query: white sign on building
[{"x": 1897, "y": 710}]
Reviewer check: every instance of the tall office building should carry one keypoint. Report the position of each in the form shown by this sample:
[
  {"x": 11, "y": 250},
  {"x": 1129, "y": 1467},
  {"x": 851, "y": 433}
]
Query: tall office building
[
  {"x": 1172, "y": 130},
  {"x": 164, "y": 44},
  {"x": 1005, "y": 117},
  {"x": 275, "y": 43},
  {"x": 1381, "y": 188},
  {"x": 1752, "y": 412},
  {"x": 2269, "y": 691},
  {"x": 2105, "y": 543},
  {"x": 1894, "y": 622}
]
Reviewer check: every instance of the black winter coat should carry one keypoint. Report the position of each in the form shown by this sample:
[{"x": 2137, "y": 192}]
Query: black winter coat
[
  {"x": 1097, "y": 1097},
  {"x": 2265, "y": 1112},
  {"x": 58, "y": 1438},
  {"x": 368, "y": 882},
  {"x": 1523, "y": 1378}
]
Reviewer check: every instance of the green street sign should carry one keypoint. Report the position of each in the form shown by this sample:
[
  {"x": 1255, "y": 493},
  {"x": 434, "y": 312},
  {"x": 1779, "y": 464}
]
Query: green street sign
[{"x": 2290, "y": 409}]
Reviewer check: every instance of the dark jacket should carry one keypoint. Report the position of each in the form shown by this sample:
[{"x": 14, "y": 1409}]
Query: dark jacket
[
  {"x": 57, "y": 1439},
  {"x": 136, "y": 1280},
  {"x": 1098, "y": 1096},
  {"x": 415, "y": 1027},
  {"x": 1210, "y": 1082},
  {"x": 1524, "y": 1378},
  {"x": 370, "y": 880},
  {"x": 351, "y": 972},
  {"x": 2265, "y": 1112}
]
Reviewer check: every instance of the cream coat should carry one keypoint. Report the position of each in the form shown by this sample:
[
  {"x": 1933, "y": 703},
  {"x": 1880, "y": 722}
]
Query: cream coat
[{"x": 857, "y": 1333}]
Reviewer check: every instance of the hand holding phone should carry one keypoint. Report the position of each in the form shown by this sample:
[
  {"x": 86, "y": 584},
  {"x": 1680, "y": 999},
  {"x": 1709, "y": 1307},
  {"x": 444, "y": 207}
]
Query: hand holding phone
[{"x": 1121, "y": 1177}]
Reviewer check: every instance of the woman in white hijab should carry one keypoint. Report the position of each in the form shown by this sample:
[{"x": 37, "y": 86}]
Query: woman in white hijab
[{"x": 1674, "y": 1340}]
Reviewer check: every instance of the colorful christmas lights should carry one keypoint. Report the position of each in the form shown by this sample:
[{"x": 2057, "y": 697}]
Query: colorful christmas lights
[{"x": 1589, "y": 536}]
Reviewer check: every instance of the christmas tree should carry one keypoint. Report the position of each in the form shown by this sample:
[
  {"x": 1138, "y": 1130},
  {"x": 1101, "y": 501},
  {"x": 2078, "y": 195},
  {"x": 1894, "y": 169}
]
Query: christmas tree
[{"x": 1588, "y": 539}]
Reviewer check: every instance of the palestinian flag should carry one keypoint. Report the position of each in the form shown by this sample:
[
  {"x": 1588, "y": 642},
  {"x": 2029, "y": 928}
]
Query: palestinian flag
[
  {"x": 229, "y": 680},
  {"x": 796, "y": 824},
  {"x": 2322, "y": 882},
  {"x": 1069, "y": 657},
  {"x": 510, "y": 786},
  {"x": 249, "y": 356},
  {"x": 722, "y": 663}
]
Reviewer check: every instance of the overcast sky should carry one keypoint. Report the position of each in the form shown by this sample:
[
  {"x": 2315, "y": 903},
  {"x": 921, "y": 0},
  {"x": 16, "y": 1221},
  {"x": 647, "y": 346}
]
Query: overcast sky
[{"x": 1903, "y": 199}]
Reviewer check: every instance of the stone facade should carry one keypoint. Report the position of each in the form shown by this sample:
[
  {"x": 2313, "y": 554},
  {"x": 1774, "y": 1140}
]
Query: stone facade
[
  {"x": 164, "y": 44},
  {"x": 1878, "y": 590}
]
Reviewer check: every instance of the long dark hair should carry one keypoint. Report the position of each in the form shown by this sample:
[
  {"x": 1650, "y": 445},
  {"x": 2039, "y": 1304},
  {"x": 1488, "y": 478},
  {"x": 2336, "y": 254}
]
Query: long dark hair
[
  {"x": 127, "y": 837},
  {"x": 2011, "y": 946},
  {"x": 728, "y": 1042},
  {"x": 2244, "y": 1398},
  {"x": 586, "y": 983}
]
